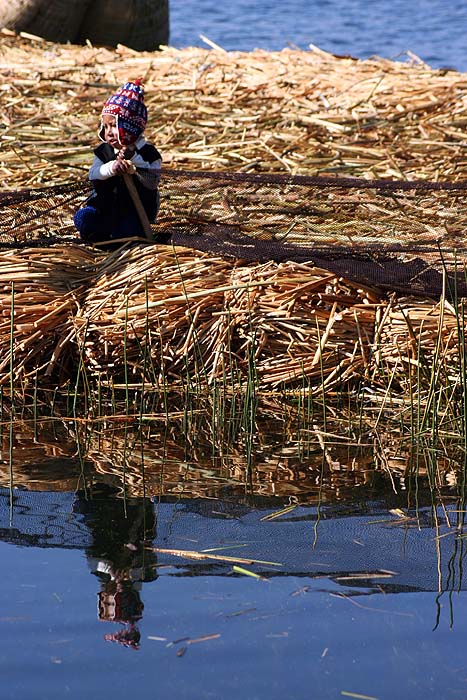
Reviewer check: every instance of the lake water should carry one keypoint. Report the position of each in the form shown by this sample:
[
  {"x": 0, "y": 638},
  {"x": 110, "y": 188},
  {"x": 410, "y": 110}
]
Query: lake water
[
  {"x": 326, "y": 622},
  {"x": 432, "y": 29},
  {"x": 352, "y": 600},
  {"x": 180, "y": 568}
]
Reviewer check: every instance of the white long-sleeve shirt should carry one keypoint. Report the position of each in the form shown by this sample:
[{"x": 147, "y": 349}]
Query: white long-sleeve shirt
[{"x": 147, "y": 173}]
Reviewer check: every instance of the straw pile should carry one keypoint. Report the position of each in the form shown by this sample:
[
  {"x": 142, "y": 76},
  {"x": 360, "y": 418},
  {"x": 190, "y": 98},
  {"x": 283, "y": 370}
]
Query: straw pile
[
  {"x": 158, "y": 315},
  {"x": 304, "y": 112},
  {"x": 165, "y": 315}
]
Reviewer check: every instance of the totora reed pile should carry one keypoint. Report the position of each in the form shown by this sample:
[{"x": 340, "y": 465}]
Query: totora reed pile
[{"x": 164, "y": 314}]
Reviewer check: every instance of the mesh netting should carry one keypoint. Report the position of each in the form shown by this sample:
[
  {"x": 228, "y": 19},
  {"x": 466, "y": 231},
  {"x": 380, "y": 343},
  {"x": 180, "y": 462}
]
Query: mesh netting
[
  {"x": 403, "y": 236},
  {"x": 43, "y": 519},
  {"x": 40, "y": 216}
]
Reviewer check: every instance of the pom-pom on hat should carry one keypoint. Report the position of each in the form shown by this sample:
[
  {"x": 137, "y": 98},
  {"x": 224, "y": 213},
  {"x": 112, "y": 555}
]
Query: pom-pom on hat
[{"x": 127, "y": 106}]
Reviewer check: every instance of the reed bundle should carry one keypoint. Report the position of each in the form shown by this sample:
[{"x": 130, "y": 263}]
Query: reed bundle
[
  {"x": 211, "y": 318},
  {"x": 423, "y": 338},
  {"x": 185, "y": 313},
  {"x": 39, "y": 292},
  {"x": 152, "y": 315}
]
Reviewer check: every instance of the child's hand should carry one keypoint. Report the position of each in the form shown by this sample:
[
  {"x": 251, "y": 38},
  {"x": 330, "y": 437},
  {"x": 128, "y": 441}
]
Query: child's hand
[{"x": 122, "y": 165}]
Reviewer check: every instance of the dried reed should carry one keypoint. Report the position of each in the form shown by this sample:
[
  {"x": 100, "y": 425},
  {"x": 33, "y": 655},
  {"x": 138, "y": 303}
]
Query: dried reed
[
  {"x": 159, "y": 315},
  {"x": 298, "y": 111}
]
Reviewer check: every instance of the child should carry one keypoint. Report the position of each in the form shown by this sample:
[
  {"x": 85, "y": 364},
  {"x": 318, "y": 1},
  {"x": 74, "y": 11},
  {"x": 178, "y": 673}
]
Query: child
[{"x": 110, "y": 212}]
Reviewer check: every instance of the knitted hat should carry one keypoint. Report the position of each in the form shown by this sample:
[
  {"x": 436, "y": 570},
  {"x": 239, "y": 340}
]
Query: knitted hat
[{"x": 128, "y": 107}]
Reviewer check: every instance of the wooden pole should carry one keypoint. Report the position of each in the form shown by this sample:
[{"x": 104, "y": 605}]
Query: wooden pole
[{"x": 143, "y": 217}]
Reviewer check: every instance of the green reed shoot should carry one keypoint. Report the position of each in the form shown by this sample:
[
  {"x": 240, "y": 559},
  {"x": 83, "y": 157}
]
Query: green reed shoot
[
  {"x": 79, "y": 374},
  {"x": 35, "y": 406},
  {"x": 12, "y": 396},
  {"x": 125, "y": 360}
]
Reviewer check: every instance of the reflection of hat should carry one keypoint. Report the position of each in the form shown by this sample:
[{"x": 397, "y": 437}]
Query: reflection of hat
[
  {"x": 127, "y": 106},
  {"x": 128, "y": 637}
]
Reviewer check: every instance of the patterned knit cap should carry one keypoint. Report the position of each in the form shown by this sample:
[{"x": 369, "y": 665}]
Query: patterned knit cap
[{"x": 127, "y": 106}]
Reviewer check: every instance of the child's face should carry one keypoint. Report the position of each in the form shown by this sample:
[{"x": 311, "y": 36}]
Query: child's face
[{"x": 110, "y": 130}]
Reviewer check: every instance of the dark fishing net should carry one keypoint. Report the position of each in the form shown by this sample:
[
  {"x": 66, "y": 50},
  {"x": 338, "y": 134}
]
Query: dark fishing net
[
  {"x": 43, "y": 519},
  {"x": 408, "y": 237},
  {"x": 40, "y": 216}
]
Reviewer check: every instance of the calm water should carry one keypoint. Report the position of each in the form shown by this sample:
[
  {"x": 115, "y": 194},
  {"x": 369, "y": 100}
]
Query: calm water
[
  {"x": 352, "y": 600},
  {"x": 432, "y": 29},
  {"x": 350, "y": 580}
]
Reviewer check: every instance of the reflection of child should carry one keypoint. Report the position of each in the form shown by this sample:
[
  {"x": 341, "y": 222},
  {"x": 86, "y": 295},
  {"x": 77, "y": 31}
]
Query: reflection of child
[
  {"x": 117, "y": 555},
  {"x": 110, "y": 212}
]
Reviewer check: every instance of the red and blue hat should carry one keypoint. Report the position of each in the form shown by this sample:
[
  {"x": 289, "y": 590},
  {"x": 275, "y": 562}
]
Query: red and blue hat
[{"x": 127, "y": 106}]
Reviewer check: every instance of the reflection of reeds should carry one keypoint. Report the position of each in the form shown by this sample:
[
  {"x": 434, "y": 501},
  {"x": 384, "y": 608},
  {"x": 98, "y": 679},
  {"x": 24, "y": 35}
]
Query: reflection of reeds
[{"x": 283, "y": 459}]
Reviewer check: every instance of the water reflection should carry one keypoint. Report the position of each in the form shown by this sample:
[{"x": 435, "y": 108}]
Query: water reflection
[
  {"x": 117, "y": 555},
  {"x": 349, "y": 520},
  {"x": 283, "y": 461},
  {"x": 354, "y": 545}
]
